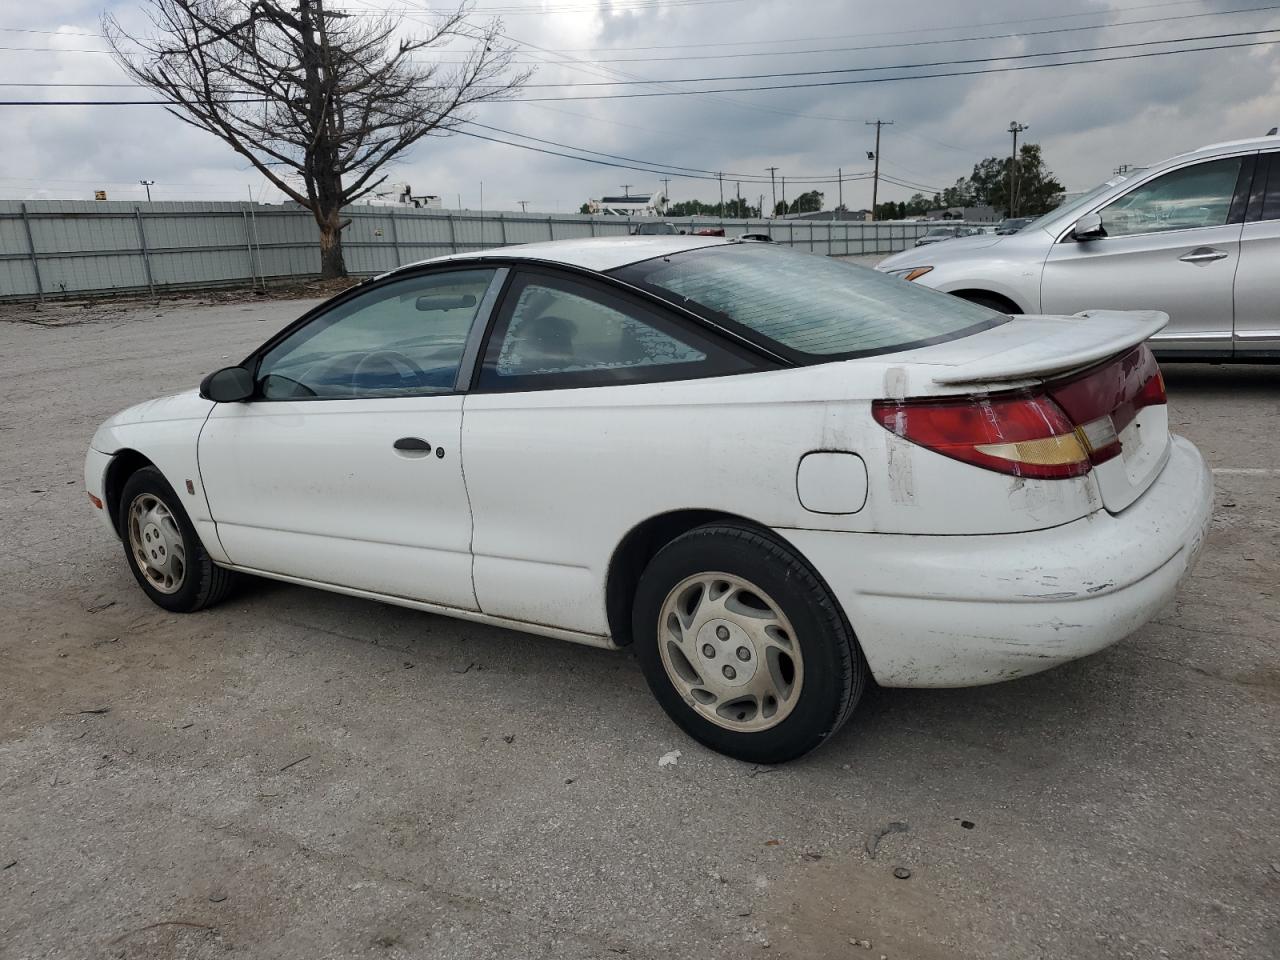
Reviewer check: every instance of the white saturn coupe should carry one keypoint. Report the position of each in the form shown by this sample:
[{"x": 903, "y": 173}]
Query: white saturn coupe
[{"x": 777, "y": 476}]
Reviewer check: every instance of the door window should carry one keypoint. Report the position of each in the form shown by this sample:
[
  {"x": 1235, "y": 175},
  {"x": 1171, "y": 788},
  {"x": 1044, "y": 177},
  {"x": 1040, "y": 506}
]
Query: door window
[
  {"x": 558, "y": 333},
  {"x": 1195, "y": 196},
  {"x": 1271, "y": 194},
  {"x": 404, "y": 338}
]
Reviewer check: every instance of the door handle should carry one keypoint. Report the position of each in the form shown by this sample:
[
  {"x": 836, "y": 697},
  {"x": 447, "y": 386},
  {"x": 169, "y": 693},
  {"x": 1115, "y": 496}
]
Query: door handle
[
  {"x": 1203, "y": 255},
  {"x": 412, "y": 444}
]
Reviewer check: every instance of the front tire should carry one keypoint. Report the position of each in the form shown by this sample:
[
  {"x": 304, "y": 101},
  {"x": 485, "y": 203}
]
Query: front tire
[
  {"x": 744, "y": 646},
  {"x": 162, "y": 549}
]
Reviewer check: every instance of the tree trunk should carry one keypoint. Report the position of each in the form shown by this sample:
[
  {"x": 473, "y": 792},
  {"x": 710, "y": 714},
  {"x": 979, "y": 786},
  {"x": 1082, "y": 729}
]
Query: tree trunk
[{"x": 332, "y": 266}]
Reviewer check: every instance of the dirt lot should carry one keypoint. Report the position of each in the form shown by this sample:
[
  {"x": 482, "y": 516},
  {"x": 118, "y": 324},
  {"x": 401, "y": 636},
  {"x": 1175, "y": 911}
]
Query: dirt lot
[{"x": 303, "y": 775}]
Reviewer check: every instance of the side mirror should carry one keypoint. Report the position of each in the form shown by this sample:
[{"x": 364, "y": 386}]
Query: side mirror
[
  {"x": 1089, "y": 227},
  {"x": 228, "y": 385}
]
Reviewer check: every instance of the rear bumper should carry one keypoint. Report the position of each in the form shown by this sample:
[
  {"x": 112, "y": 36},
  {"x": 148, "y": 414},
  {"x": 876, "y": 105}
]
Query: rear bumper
[{"x": 951, "y": 611}]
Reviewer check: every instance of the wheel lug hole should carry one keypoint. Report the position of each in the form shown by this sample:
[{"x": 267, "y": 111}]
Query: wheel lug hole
[
  {"x": 729, "y": 673},
  {"x": 708, "y": 651},
  {"x": 744, "y": 654},
  {"x": 722, "y": 633}
]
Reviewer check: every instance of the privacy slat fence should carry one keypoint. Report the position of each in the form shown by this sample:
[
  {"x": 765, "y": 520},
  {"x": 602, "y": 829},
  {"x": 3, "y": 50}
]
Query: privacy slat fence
[{"x": 60, "y": 248}]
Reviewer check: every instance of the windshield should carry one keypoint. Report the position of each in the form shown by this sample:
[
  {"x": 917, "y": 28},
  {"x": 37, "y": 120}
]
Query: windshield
[
  {"x": 806, "y": 306},
  {"x": 1080, "y": 202}
]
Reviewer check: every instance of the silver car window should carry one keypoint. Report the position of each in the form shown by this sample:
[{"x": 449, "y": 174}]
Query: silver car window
[{"x": 1195, "y": 196}]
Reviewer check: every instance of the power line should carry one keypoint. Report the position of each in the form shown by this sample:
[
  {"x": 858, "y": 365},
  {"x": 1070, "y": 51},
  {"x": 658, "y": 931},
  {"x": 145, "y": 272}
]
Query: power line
[
  {"x": 923, "y": 76},
  {"x": 912, "y": 66},
  {"x": 891, "y": 33},
  {"x": 918, "y": 43},
  {"x": 782, "y": 86}
]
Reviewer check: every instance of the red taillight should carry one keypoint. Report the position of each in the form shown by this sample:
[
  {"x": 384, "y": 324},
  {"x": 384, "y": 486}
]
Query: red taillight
[
  {"x": 1057, "y": 432},
  {"x": 1025, "y": 435},
  {"x": 1103, "y": 401}
]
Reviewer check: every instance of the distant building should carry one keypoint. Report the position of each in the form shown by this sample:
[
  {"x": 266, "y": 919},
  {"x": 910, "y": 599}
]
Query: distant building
[
  {"x": 401, "y": 195},
  {"x": 983, "y": 214},
  {"x": 859, "y": 215},
  {"x": 629, "y": 205}
]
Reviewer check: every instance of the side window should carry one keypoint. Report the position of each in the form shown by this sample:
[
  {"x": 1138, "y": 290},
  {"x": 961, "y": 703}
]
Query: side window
[
  {"x": 1195, "y": 196},
  {"x": 405, "y": 338},
  {"x": 1271, "y": 198},
  {"x": 559, "y": 333}
]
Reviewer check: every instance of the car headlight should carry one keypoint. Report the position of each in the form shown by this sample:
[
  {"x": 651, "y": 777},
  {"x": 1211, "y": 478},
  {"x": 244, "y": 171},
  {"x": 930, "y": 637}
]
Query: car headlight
[{"x": 909, "y": 273}]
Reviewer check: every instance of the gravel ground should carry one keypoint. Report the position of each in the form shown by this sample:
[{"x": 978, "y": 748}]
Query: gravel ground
[{"x": 297, "y": 774}]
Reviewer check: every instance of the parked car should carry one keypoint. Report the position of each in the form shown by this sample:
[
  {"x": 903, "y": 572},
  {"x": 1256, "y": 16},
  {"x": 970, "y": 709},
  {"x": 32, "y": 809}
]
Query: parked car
[
  {"x": 1197, "y": 237},
  {"x": 778, "y": 476},
  {"x": 1012, "y": 225},
  {"x": 656, "y": 230},
  {"x": 938, "y": 234},
  {"x": 759, "y": 237},
  {"x": 709, "y": 232}
]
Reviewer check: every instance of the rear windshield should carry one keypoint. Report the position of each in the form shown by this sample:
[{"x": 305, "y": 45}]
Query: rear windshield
[{"x": 807, "y": 306}]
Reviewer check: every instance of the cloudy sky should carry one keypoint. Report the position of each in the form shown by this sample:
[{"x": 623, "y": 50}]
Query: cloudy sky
[{"x": 1089, "y": 118}]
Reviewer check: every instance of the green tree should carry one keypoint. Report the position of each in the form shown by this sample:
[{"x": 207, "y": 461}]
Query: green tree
[
  {"x": 738, "y": 209},
  {"x": 585, "y": 208},
  {"x": 810, "y": 202},
  {"x": 691, "y": 208},
  {"x": 1038, "y": 191}
]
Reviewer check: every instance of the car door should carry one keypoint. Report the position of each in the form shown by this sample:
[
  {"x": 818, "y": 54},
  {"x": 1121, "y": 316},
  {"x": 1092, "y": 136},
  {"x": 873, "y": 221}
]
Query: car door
[
  {"x": 1257, "y": 327},
  {"x": 1172, "y": 243},
  {"x": 346, "y": 467},
  {"x": 562, "y": 438}
]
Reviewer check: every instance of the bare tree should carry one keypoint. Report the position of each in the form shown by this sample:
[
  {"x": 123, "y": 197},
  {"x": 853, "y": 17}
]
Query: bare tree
[{"x": 318, "y": 101}]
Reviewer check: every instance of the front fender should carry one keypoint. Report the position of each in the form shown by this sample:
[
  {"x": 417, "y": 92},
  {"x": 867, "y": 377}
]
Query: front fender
[
  {"x": 166, "y": 433},
  {"x": 1016, "y": 283}
]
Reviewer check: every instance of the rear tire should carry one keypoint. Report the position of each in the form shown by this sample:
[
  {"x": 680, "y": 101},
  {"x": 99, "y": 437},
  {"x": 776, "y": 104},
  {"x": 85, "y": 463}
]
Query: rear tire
[
  {"x": 744, "y": 646},
  {"x": 162, "y": 549}
]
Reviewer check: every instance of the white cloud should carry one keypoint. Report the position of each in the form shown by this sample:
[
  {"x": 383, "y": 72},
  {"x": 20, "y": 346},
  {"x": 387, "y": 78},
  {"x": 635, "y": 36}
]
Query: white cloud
[{"x": 1088, "y": 118}]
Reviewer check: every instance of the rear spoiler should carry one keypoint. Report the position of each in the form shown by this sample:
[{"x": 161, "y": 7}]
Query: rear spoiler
[{"x": 1073, "y": 345}]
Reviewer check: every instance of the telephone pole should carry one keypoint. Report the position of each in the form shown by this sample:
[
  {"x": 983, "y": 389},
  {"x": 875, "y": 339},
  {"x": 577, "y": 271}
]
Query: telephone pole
[
  {"x": 738, "y": 211},
  {"x": 148, "y": 184},
  {"x": 840, "y": 188},
  {"x": 875, "y": 177},
  {"x": 626, "y": 190},
  {"x": 1015, "y": 128},
  {"x": 524, "y": 205},
  {"x": 666, "y": 193},
  {"x": 774, "y": 187},
  {"x": 720, "y": 177},
  {"x": 784, "y": 196}
]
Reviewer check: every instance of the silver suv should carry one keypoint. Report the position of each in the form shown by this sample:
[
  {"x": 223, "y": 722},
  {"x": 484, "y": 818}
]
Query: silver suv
[{"x": 1197, "y": 236}]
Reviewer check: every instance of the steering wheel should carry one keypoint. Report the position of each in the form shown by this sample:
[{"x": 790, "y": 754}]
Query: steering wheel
[{"x": 390, "y": 359}]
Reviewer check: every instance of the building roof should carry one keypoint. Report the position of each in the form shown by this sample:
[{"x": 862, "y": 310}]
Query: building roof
[{"x": 597, "y": 253}]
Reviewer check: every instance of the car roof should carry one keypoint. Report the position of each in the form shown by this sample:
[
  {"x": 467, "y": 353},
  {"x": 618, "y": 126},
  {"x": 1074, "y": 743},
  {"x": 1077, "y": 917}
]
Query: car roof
[
  {"x": 594, "y": 253},
  {"x": 1261, "y": 143}
]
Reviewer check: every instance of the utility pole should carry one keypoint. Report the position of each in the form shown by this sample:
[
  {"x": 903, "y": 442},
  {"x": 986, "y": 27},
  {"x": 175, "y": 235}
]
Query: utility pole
[
  {"x": 774, "y": 187},
  {"x": 626, "y": 190},
  {"x": 840, "y": 187},
  {"x": 666, "y": 193},
  {"x": 738, "y": 211},
  {"x": 720, "y": 177},
  {"x": 875, "y": 177},
  {"x": 1015, "y": 128},
  {"x": 784, "y": 196},
  {"x": 524, "y": 205},
  {"x": 147, "y": 184}
]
